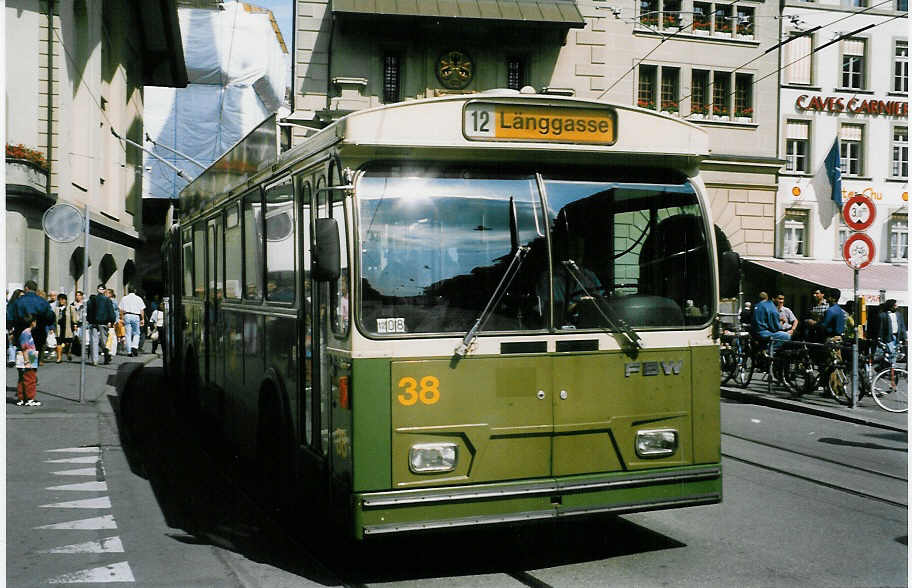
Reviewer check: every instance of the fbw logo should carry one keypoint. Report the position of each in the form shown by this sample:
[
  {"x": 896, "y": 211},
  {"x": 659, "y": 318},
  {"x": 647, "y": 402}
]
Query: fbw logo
[{"x": 653, "y": 368}]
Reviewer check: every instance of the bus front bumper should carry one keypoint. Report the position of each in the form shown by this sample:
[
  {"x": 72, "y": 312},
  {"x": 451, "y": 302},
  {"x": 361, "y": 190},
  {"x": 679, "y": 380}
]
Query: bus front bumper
[{"x": 403, "y": 511}]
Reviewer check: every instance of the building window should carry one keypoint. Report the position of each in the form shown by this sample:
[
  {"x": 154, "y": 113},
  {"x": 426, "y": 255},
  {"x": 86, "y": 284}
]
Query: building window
[
  {"x": 701, "y": 20},
  {"x": 646, "y": 88},
  {"x": 649, "y": 13},
  {"x": 671, "y": 14},
  {"x": 516, "y": 73},
  {"x": 797, "y": 148},
  {"x": 853, "y": 64},
  {"x": 721, "y": 92},
  {"x": 722, "y": 19},
  {"x": 900, "y": 159},
  {"x": 899, "y": 237},
  {"x": 670, "y": 83},
  {"x": 699, "y": 84},
  {"x": 744, "y": 104},
  {"x": 796, "y": 60},
  {"x": 391, "y": 76},
  {"x": 902, "y": 5},
  {"x": 901, "y": 67},
  {"x": 745, "y": 22},
  {"x": 794, "y": 241},
  {"x": 859, "y": 3},
  {"x": 842, "y": 236},
  {"x": 851, "y": 149}
]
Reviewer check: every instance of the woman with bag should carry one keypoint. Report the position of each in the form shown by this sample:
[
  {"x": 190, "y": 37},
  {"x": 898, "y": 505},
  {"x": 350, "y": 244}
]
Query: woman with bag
[
  {"x": 157, "y": 320},
  {"x": 66, "y": 322}
]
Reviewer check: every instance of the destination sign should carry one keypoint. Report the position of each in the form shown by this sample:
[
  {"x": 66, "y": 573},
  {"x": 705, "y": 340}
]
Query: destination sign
[{"x": 484, "y": 121}]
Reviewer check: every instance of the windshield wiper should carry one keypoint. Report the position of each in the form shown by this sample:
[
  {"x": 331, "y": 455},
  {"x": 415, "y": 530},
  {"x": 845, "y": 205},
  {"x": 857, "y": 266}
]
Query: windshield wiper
[
  {"x": 519, "y": 255},
  {"x": 615, "y": 323}
]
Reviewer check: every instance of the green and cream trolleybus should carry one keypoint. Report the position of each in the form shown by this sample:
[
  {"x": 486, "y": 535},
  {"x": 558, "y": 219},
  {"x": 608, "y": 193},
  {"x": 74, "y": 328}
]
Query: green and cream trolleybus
[{"x": 459, "y": 311}]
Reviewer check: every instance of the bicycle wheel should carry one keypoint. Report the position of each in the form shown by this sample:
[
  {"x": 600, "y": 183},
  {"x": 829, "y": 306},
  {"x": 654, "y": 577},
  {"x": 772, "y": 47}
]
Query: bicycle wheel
[
  {"x": 891, "y": 390},
  {"x": 728, "y": 363},
  {"x": 800, "y": 376},
  {"x": 744, "y": 369},
  {"x": 839, "y": 385}
]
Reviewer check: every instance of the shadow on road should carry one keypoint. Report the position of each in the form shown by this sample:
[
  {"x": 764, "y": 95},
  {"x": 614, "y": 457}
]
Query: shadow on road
[{"x": 209, "y": 494}]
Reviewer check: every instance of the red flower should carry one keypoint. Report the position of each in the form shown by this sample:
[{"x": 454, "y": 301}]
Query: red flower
[{"x": 23, "y": 152}]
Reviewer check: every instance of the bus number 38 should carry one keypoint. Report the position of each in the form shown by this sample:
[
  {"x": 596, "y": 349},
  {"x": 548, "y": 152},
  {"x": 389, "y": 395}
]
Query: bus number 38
[{"x": 428, "y": 390}]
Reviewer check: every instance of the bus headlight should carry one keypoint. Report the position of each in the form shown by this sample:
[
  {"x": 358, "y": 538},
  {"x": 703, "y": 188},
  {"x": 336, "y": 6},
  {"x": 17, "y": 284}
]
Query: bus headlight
[
  {"x": 658, "y": 443},
  {"x": 432, "y": 458}
]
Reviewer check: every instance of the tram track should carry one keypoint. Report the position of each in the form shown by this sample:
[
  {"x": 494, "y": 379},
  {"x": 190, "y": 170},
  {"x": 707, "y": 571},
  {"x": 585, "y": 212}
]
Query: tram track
[{"x": 821, "y": 471}]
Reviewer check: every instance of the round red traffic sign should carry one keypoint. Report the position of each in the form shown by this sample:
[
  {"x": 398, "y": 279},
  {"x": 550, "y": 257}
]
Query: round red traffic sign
[
  {"x": 859, "y": 212},
  {"x": 858, "y": 251}
]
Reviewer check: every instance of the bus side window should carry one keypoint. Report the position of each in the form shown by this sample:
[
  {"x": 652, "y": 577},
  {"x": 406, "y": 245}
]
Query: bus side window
[
  {"x": 187, "y": 249},
  {"x": 340, "y": 291},
  {"x": 199, "y": 259},
  {"x": 253, "y": 245},
  {"x": 280, "y": 242},
  {"x": 233, "y": 253}
]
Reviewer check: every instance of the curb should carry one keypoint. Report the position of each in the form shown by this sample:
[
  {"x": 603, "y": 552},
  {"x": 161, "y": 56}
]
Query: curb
[{"x": 796, "y": 406}]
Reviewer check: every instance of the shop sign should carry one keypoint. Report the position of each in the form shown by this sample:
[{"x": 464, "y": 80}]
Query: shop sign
[{"x": 807, "y": 102}]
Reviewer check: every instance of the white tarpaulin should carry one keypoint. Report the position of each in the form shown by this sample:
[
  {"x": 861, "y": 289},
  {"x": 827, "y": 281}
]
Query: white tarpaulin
[{"x": 238, "y": 73}]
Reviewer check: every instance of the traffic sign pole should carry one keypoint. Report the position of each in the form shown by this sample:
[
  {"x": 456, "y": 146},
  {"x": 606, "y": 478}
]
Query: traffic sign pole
[
  {"x": 853, "y": 400},
  {"x": 85, "y": 307}
]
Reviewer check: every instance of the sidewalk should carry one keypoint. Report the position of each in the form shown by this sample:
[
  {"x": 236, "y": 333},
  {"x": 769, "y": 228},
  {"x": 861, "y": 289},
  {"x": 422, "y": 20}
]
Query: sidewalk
[
  {"x": 866, "y": 413},
  {"x": 58, "y": 385}
]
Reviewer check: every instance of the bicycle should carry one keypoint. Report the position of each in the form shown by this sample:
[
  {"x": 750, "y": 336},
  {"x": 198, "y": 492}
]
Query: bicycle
[
  {"x": 736, "y": 362},
  {"x": 889, "y": 386}
]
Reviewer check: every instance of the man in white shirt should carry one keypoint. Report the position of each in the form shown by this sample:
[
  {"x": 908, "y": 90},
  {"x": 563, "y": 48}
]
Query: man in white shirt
[{"x": 132, "y": 313}]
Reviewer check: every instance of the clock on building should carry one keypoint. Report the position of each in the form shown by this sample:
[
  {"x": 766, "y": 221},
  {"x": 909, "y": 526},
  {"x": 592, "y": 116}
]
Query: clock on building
[{"x": 455, "y": 70}]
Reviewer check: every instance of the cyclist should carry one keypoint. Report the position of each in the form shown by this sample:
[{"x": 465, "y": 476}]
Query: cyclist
[
  {"x": 765, "y": 322},
  {"x": 834, "y": 319}
]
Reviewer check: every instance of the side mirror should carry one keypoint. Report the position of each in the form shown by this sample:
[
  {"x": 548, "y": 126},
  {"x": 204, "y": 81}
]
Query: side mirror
[
  {"x": 729, "y": 274},
  {"x": 326, "y": 264}
]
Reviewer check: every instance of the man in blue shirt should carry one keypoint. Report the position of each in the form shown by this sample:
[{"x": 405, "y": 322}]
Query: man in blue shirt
[
  {"x": 834, "y": 318},
  {"x": 765, "y": 321}
]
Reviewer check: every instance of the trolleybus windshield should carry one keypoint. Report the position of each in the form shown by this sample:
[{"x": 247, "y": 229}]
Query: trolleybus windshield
[{"x": 435, "y": 243}]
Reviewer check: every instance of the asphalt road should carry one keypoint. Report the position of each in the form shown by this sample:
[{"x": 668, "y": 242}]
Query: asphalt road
[{"x": 808, "y": 501}]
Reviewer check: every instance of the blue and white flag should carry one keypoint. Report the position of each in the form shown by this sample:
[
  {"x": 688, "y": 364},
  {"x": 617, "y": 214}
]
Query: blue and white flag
[{"x": 834, "y": 173}]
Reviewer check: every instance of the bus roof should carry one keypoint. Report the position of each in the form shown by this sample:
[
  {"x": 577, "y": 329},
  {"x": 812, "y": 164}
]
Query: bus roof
[{"x": 494, "y": 120}]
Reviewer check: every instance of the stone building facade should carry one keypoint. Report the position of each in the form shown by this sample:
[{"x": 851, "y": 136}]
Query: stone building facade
[{"x": 75, "y": 72}]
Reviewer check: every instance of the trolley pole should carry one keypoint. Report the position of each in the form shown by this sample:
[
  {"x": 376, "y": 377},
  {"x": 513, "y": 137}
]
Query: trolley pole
[
  {"x": 85, "y": 306},
  {"x": 853, "y": 399}
]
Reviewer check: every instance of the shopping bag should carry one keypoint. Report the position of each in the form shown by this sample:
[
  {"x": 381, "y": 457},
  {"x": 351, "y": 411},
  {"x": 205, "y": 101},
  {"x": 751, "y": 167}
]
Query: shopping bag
[
  {"x": 51, "y": 340},
  {"x": 111, "y": 343},
  {"x": 119, "y": 329}
]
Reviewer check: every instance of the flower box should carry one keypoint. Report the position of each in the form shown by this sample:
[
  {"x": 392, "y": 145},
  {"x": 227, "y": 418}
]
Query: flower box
[
  {"x": 744, "y": 119},
  {"x": 25, "y": 173}
]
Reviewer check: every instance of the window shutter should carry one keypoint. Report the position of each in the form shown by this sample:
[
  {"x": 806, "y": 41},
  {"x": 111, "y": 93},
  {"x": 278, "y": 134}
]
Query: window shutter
[
  {"x": 850, "y": 133},
  {"x": 853, "y": 47},
  {"x": 796, "y": 129},
  {"x": 798, "y": 54}
]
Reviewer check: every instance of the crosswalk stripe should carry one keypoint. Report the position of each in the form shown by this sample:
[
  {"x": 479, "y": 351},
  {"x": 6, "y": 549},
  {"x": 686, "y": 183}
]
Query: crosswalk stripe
[
  {"x": 118, "y": 572},
  {"x": 98, "y": 502},
  {"x": 109, "y": 545},
  {"x": 92, "y": 524},
  {"x": 83, "y": 459},
  {"x": 79, "y": 472},
  {"x": 81, "y": 487},
  {"x": 76, "y": 450}
]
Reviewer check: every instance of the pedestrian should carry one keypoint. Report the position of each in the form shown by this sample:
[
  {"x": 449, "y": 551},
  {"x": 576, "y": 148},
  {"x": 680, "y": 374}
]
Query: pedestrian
[
  {"x": 27, "y": 362},
  {"x": 78, "y": 309},
  {"x": 157, "y": 321},
  {"x": 100, "y": 317},
  {"x": 834, "y": 318},
  {"x": 30, "y": 303},
  {"x": 746, "y": 316},
  {"x": 892, "y": 328},
  {"x": 66, "y": 325},
  {"x": 119, "y": 329},
  {"x": 766, "y": 320},
  {"x": 132, "y": 309},
  {"x": 10, "y": 331},
  {"x": 820, "y": 306},
  {"x": 788, "y": 322}
]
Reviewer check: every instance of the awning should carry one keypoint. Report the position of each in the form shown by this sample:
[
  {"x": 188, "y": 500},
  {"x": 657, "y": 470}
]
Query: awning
[
  {"x": 554, "y": 12},
  {"x": 836, "y": 274}
]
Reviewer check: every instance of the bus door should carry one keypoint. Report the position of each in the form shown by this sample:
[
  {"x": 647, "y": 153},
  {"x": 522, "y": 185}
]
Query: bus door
[
  {"x": 215, "y": 367},
  {"x": 309, "y": 422}
]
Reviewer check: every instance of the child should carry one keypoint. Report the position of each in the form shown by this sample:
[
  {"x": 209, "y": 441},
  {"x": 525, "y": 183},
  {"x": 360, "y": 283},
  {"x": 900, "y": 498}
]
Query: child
[{"x": 27, "y": 362}]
